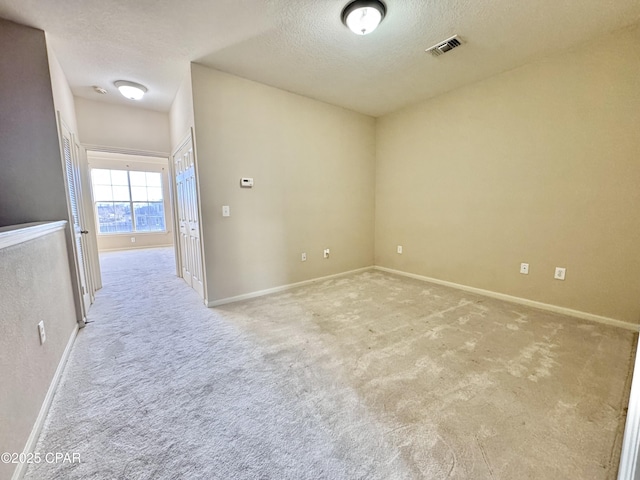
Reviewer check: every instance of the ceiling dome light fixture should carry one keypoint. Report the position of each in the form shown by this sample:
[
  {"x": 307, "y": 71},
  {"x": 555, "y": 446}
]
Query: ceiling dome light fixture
[
  {"x": 363, "y": 16},
  {"x": 131, "y": 90}
]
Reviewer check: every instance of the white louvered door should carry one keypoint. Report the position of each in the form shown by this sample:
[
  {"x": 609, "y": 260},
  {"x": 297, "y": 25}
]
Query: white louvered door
[
  {"x": 74, "y": 204},
  {"x": 188, "y": 217}
]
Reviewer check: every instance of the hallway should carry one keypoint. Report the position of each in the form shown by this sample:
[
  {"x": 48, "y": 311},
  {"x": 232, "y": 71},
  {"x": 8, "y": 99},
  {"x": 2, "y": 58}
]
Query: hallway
[{"x": 160, "y": 387}]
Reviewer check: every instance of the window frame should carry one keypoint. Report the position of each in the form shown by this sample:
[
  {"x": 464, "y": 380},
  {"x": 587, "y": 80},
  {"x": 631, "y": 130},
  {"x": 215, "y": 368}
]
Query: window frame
[{"x": 131, "y": 203}]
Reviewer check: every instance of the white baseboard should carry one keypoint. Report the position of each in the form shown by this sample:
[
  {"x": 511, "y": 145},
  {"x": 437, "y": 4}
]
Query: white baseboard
[
  {"x": 518, "y": 300},
  {"x": 21, "y": 468},
  {"x": 141, "y": 247},
  {"x": 487, "y": 293},
  {"x": 260, "y": 293}
]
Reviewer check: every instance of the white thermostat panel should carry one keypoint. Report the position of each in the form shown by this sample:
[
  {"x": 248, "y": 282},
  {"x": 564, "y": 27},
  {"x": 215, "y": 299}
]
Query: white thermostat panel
[{"x": 246, "y": 182}]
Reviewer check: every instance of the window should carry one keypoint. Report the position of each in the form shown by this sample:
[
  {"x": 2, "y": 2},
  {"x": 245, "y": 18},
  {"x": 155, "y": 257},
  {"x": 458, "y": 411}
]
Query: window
[{"x": 128, "y": 201}]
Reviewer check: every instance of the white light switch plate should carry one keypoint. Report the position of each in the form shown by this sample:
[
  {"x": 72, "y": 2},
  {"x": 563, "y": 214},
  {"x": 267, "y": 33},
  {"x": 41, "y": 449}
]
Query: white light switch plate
[
  {"x": 41, "y": 332},
  {"x": 560, "y": 273},
  {"x": 226, "y": 211}
]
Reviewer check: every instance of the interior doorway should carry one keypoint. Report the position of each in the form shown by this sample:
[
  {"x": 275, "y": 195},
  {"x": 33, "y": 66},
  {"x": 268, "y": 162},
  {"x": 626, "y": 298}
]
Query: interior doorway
[
  {"x": 131, "y": 200},
  {"x": 141, "y": 201},
  {"x": 132, "y": 209}
]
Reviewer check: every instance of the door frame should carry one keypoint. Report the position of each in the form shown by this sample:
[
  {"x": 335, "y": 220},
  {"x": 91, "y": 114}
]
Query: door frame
[
  {"x": 189, "y": 137},
  {"x": 129, "y": 151}
]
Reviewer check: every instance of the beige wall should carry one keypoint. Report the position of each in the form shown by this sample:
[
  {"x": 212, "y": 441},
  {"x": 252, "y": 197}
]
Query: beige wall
[
  {"x": 122, "y": 241},
  {"x": 122, "y": 127},
  {"x": 181, "y": 114},
  {"x": 62, "y": 96},
  {"x": 313, "y": 166},
  {"x": 35, "y": 284},
  {"x": 540, "y": 165}
]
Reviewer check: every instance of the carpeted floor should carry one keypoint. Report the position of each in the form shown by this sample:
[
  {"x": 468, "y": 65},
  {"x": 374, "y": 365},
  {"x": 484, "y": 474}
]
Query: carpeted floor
[{"x": 368, "y": 376}]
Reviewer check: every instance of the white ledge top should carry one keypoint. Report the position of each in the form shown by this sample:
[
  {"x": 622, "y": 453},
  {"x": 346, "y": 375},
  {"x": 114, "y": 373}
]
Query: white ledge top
[{"x": 15, "y": 234}]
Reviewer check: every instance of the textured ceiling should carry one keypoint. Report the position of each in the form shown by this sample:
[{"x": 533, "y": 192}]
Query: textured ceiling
[{"x": 302, "y": 46}]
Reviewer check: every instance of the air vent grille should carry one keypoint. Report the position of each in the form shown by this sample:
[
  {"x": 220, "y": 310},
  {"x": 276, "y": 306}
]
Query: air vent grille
[{"x": 445, "y": 46}]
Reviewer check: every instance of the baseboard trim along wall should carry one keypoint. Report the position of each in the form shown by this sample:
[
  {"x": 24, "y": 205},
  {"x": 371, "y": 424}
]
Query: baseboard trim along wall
[
  {"x": 518, "y": 300},
  {"x": 46, "y": 404},
  {"x": 487, "y": 293},
  {"x": 107, "y": 250},
  {"x": 260, "y": 293}
]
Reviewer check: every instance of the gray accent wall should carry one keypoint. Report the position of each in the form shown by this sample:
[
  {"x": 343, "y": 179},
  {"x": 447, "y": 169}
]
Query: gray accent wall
[
  {"x": 32, "y": 184},
  {"x": 35, "y": 285}
]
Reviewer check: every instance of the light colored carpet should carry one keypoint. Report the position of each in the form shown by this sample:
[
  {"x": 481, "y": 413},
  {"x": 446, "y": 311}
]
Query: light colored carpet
[{"x": 369, "y": 376}]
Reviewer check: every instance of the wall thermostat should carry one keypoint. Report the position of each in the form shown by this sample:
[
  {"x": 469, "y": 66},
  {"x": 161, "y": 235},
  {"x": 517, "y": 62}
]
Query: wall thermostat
[{"x": 246, "y": 182}]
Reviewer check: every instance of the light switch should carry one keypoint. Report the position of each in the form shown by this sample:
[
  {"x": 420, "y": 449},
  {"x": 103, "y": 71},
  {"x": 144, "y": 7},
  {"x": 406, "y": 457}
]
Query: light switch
[{"x": 226, "y": 211}]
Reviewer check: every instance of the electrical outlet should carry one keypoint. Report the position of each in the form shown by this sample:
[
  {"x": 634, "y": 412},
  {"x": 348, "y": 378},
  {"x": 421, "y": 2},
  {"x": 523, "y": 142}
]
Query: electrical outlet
[
  {"x": 43, "y": 335},
  {"x": 399, "y": 249},
  {"x": 304, "y": 257},
  {"x": 326, "y": 253},
  {"x": 560, "y": 273},
  {"x": 524, "y": 268},
  {"x": 133, "y": 239}
]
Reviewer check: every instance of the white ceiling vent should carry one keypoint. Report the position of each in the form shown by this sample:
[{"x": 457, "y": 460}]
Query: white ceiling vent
[{"x": 445, "y": 46}]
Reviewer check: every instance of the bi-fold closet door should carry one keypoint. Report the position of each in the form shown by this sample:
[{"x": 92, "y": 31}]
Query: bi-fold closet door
[
  {"x": 187, "y": 210},
  {"x": 71, "y": 162}
]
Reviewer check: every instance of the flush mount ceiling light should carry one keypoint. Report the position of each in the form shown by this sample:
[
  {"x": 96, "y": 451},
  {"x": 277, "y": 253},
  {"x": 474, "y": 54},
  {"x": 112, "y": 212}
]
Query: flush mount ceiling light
[
  {"x": 363, "y": 16},
  {"x": 131, "y": 90}
]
